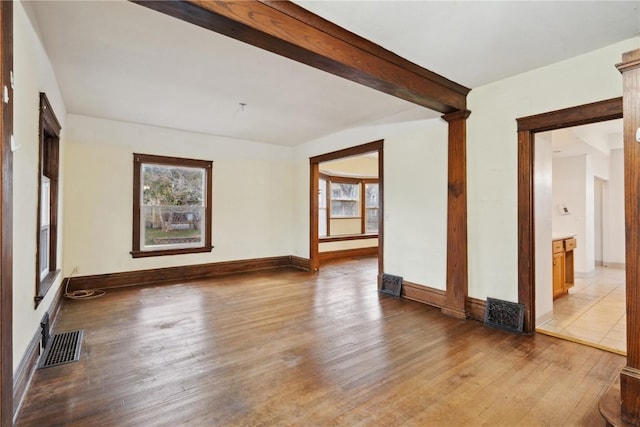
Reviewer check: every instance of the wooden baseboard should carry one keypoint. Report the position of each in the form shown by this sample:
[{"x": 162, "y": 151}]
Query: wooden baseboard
[
  {"x": 29, "y": 361},
  {"x": 348, "y": 253},
  {"x": 300, "y": 263},
  {"x": 437, "y": 298},
  {"x": 183, "y": 273},
  {"x": 424, "y": 294},
  {"x": 476, "y": 308}
]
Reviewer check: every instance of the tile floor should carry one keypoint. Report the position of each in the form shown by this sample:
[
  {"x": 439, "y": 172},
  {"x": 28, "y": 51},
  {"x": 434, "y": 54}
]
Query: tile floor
[{"x": 593, "y": 313}]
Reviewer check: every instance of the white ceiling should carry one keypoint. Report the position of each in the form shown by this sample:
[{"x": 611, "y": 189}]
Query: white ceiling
[
  {"x": 120, "y": 61},
  {"x": 594, "y": 139}
]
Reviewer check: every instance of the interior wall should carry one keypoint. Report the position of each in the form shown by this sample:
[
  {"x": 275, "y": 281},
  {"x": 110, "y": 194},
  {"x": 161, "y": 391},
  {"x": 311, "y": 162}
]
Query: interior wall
[
  {"x": 415, "y": 195},
  {"x": 33, "y": 74},
  {"x": 598, "y": 208},
  {"x": 543, "y": 184},
  {"x": 571, "y": 189},
  {"x": 361, "y": 166},
  {"x": 614, "y": 241},
  {"x": 252, "y": 186},
  {"x": 492, "y": 155}
]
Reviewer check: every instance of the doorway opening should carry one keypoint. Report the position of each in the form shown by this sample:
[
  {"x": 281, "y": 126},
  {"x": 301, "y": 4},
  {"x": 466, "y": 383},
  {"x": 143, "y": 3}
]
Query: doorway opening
[
  {"x": 346, "y": 204},
  {"x": 579, "y": 220},
  {"x": 528, "y": 202}
]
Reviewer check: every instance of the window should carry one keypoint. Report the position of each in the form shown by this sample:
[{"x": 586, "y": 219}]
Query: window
[
  {"x": 352, "y": 204},
  {"x": 171, "y": 206},
  {"x": 345, "y": 200},
  {"x": 371, "y": 207},
  {"x": 322, "y": 208},
  {"x": 47, "y": 240}
]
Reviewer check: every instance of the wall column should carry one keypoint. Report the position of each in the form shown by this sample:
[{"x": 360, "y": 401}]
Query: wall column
[
  {"x": 457, "y": 271},
  {"x": 6, "y": 214},
  {"x": 630, "y": 375}
]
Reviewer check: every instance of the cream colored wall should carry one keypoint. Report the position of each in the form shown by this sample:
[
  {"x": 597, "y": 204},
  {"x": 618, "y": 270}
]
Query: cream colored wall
[
  {"x": 252, "y": 185},
  {"x": 359, "y": 166},
  {"x": 542, "y": 204},
  {"x": 571, "y": 179},
  {"x": 348, "y": 244},
  {"x": 614, "y": 242},
  {"x": 415, "y": 195},
  {"x": 33, "y": 74},
  {"x": 345, "y": 226},
  {"x": 492, "y": 155}
]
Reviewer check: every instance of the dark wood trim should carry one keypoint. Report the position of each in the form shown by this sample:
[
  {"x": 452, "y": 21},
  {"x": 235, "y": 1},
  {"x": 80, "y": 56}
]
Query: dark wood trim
[
  {"x": 476, "y": 308},
  {"x": 48, "y": 165},
  {"x": 437, "y": 298},
  {"x": 457, "y": 270},
  {"x": 348, "y": 237},
  {"x": 28, "y": 363},
  {"x": 314, "y": 190},
  {"x": 6, "y": 217},
  {"x": 424, "y": 294},
  {"x": 380, "y": 213},
  {"x": 207, "y": 165},
  {"x": 349, "y": 152},
  {"x": 293, "y": 32},
  {"x": 314, "y": 162},
  {"x": 300, "y": 263},
  {"x": 181, "y": 273},
  {"x": 630, "y": 375},
  {"x": 25, "y": 371},
  {"x": 610, "y": 407},
  {"x": 165, "y": 252},
  {"x": 594, "y": 112},
  {"x": 527, "y": 127},
  {"x": 348, "y": 253},
  {"x": 526, "y": 237}
]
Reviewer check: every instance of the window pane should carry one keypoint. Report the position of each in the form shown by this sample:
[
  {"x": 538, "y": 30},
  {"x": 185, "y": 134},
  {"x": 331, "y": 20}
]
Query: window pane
[
  {"x": 167, "y": 225},
  {"x": 322, "y": 222},
  {"x": 344, "y": 199},
  {"x": 172, "y": 209},
  {"x": 45, "y": 201},
  {"x": 44, "y": 251},
  {"x": 371, "y": 212},
  {"x": 322, "y": 194}
]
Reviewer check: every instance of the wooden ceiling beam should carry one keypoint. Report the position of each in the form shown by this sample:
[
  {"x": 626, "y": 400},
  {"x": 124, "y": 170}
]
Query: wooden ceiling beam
[{"x": 288, "y": 30}]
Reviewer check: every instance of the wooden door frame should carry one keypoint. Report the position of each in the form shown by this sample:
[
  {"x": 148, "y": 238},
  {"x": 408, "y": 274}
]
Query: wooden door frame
[
  {"x": 527, "y": 128},
  {"x": 6, "y": 216},
  {"x": 314, "y": 168}
]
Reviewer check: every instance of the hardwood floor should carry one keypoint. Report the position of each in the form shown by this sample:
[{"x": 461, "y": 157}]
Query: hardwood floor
[{"x": 288, "y": 347}]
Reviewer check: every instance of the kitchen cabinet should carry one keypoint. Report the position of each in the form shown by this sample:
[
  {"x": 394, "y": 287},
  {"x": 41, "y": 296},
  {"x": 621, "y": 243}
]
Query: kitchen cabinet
[{"x": 563, "y": 272}]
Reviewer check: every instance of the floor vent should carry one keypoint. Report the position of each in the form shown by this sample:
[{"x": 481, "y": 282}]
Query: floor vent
[
  {"x": 391, "y": 285},
  {"x": 63, "y": 348},
  {"x": 505, "y": 315}
]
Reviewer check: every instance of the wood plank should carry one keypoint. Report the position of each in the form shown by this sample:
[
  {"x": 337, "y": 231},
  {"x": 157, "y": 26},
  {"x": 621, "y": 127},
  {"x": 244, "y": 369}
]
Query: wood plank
[
  {"x": 457, "y": 270},
  {"x": 348, "y": 253},
  {"x": 287, "y": 347},
  {"x": 630, "y": 376},
  {"x": 594, "y": 112},
  {"x": 6, "y": 216},
  {"x": 293, "y": 32}
]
